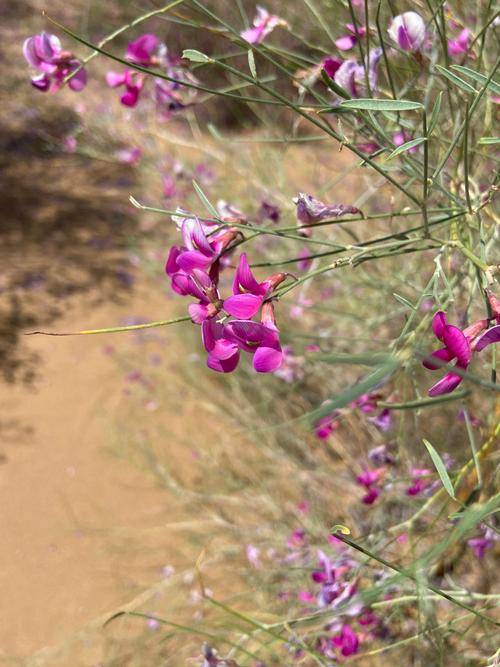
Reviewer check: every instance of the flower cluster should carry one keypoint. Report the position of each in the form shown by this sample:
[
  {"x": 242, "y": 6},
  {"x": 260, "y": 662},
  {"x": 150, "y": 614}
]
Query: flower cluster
[
  {"x": 169, "y": 95},
  {"x": 44, "y": 53},
  {"x": 194, "y": 269}
]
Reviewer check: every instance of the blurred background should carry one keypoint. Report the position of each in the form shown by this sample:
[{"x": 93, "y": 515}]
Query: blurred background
[{"x": 126, "y": 467}]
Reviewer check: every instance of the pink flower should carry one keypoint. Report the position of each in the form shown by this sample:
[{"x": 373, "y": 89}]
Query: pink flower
[
  {"x": 326, "y": 425},
  {"x": 420, "y": 481},
  {"x": 331, "y": 65},
  {"x": 248, "y": 294},
  {"x": 263, "y": 24},
  {"x": 482, "y": 542},
  {"x": 460, "y": 45},
  {"x": 311, "y": 211},
  {"x": 351, "y": 75},
  {"x": 458, "y": 345},
  {"x": 131, "y": 81},
  {"x": 369, "y": 479},
  {"x": 347, "y": 42},
  {"x": 304, "y": 264},
  {"x": 408, "y": 31},
  {"x": 261, "y": 340},
  {"x": 347, "y": 641},
  {"x": 131, "y": 156},
  {"x": 141, "y": 50},
  {"x": 44, "y": 53}
]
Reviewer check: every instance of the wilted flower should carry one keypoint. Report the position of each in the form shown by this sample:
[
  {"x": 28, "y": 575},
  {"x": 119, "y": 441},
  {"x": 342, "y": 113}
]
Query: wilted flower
[
  {"x": 311, "y": 211},
  {"x": 347, "y": 42},
  {"x": 44, "y": 53},
  {"x": 263, "y": 24},
  {"x": 459, "y": 45},
  {"x": 408, "y": 31}
]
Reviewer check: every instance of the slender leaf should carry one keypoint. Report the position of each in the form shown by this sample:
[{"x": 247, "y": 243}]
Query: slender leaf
[
  {"x": 251, "y": 63},
  {"x": 334, "y": 86},
  {"x": 196, "y": 56},
  {"x": 406, "y": 147},
  {"x": 480, "y": 78},
  {"x": 404, "y": 301},
  {"x": 441, "y": 469},
  {"x": 204, "y": 200},
  {"x": 435, "y": 113},
  {"x": 460, "y": 83},
  {"x": 489, "y": 141},
  {"x": 381, "y": 105}
]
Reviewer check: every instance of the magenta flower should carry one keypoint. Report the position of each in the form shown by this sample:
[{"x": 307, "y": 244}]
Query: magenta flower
[
  {"x": 141, "y": 51},
  {"x": 331, "y": 65},
  {"x": 326, "y": 425},
  {"x": 369, "y": 480},
  {"x": 44, "y": 53},
  {"x": 200, "y": 251},
  {"x": 351, "y": 75},
  {"x": 408, "y": 31},
  {"x": 460, "y": 45},
  {"x": 248, "y": 294},
  {"x": 259, "y": 339},
  {"x": 311, "y": 211},
  {"x": 263, "y": 24},
  {"x": 131, "y": 81},
  {"x": 347, "y": 42},
  {"x": 457, "y": 345},
  {"x": 420, "y": 481},
  {"x": 223, "y": 354},
  {"x": 347, "y": 641}
]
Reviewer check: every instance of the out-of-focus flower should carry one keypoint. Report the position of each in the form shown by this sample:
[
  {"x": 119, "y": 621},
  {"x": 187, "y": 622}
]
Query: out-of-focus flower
[
  {"x": 326, "y": 425},
  {"x": 311, "y": 211},
  {"x": 383, "y": 420},
  {"x": 458, "y": 345},
  {"x": 253, "y": 555},
  {"x": 347, "y": 641},
  {"x": 229, "y": 213},
  {"x": 292, "y": 367},
  {"x": 482, "y": 542},
  {"x": 407, "y": 30},
  {"x": 369, "y": 480},
  {"x": 347, "y": 42},
  {"x": 263, "y": 24},
  {"x": 351, "y": 75},
  {"x": 331, "y": 65},
  {"x": 268, "y": 211},
  {"x": 381, "y": 455},
  {"x": 304, "y": 264},
  {"x": 131, "y": 81},
  {"x": 44, "y": 53},
  {"x": 169, "y": 187},
  {"x": 459, "y": 45},
  {"x": 421, "y": 481},
  {"x": 131, "y": 155}
]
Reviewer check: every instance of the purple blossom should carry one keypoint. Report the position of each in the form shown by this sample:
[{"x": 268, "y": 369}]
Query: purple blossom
[
  {"x": 407, "y": 30},
  {"x": 326, "y": 425},
  {"x": 44, "y": 53},
  {"x": 459, "y": 45},
  {"x": 420, "y": 481},
  {"x": 347, "y": 42},
  {"x": 258, "y": 339},
  {"x": 141, "y": 51},
  {"x": 482, "y": 542},
  {"x": 311, "y": 211},
  {"x": 369, "y": 480},
  {"x": 383, "y": 421},
  {"x": 347, "y": 641},
  {"x": 331, "y": 65},
  {"x": 263, "y": 24},
  {"x": 268, "y": 211},
  {"x": 351, "y": 75}
]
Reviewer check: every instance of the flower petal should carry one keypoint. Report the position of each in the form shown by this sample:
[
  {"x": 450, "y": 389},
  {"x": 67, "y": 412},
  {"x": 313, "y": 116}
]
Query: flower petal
[
  {"x": 439, "y": 324},
  {"x": 267, "y": 359},
  {"x": 244, "y": 280},
  {"x": 442, "y": 355},
  {"x": 457, "y": 344},
  {"x": 446, "y": 385},
  {"x": 223, "y": 365},
  {"x": 345, "y": 43},
  {"x": 243, "y": 306},
  {"x": 488, "y": 338}
]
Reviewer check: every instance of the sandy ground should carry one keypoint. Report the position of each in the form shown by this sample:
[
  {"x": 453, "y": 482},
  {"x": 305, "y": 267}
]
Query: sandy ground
[{"x": 64, "y": 497}]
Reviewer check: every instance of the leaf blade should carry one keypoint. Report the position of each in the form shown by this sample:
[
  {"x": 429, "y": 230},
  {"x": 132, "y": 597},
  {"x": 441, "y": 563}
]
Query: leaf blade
[
  {"x": 441, "y": 469},
  {"x": 368, "y": 104}
]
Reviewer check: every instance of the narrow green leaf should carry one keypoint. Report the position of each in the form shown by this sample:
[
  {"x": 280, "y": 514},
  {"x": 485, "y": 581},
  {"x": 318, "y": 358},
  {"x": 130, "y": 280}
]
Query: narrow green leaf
[
  {"x": 334, "y": 86},
  {"x": 381, "y": 105},
  {"x": 367, "y": 359},
  {"x": 435, "y": 113},
  {"x": 460, "y": 83},
  {"x": 440, "y": 467},
  {"x": 489, "y": 141},
  {"x": 406, "y": 147},
  {"x": 251, "y": 63},
  {"x": 480, "y": 78},
  {"x": 204, "y": 200},
  {"x": 196, "y": 56},
  {"x": 404, "y": 301}
]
